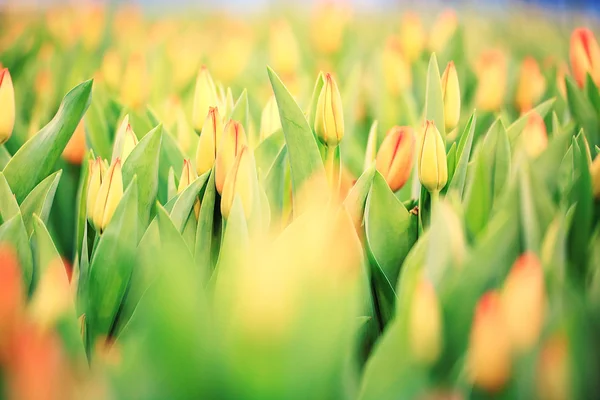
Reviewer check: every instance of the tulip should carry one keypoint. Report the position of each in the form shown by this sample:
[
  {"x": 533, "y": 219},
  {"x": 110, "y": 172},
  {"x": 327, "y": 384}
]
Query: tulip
[
  {"x": 425, "y": 325},
  {"x": 269, "y": 120},
  {"x": 561, "y": 73},
  {"x": 451, "y": 95},
  {"x": 75, "y": 149},
  {"x": 208, "y": 144},
  {"x": 412, "y": 36},
  {"x": 232, "y": 141},
  {"x": 109, "y": 195},
  {"x": 553, "y": 374},
  {"x": 534, "y": 136},
  {"x": 95, "y": 174},
  {"x": 595, "y": 173},
  {"x": 395, "y": 156},
  {"x": 489, "y": 356},
  {"x": 328, "y": 26},
  {"x": 7, "y": 106},
  {"x": 125, "y": 140},
  {"x": 329, "y": 117},
  {"x": 134, "y": 87},
  {"x": 205, "y": 97},
  {"x": 523, "y": 301},
  {"x": 492, "y": 75},
  {"x": 188, "y": 175},
  {"x": 238, "y": 184},
  {"x": 443, "y": 30},
  {"x": 52, "y": 298},
  {"x": 531, "y": 85},
  {"x": 584, "y": 54},
  {"x": 283, "y": 49},
  {"x": 111, "y": 69},
  {"x": 396, "y": 70},
  {"x": 431, "y": 162},
  {"x": 12, "y": 294}
]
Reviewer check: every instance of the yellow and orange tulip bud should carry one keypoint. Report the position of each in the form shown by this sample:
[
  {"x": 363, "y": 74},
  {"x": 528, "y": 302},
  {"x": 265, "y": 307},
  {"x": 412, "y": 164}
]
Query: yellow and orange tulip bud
[
  {"x": 412, "y": 36},
  {"x": 534, "y": 136},
  {"x": 134, "y": 87},
  {"x": 553, "y": 375},
  {"x": 188, "y": 175},
  {"x": 328, "y": 26},
  {"x": 443, "y": 30},
  {"x": 585, "y": 56},
  {"x": 396, "y": 69},
  {"x": 489, "y": 355},
  {"x": 269, "y": 120},
  {"x": 329, "y": 115},
  {"x": 109, "y": 195},
  {"x": 395, "y": 156},
  {"x": 52, "y": 297},
  {"x": 208, "y": 144},
  {"x": 232, "y": 141},
  {"x": 523, "y": 302},
  {"x": 283, "y": 49},
  {"x": 12, "y": 295},
  {"x": 75, "y": 149},
  {"x": 451, "y": 95},
  {"x": 531, "y": 84},
  {"x": 425, "y": 325},
  {"x": 431, "y": 162},
  {"x": 205, "y": 97},
  {"x": 111, "y": 69},
  {"x": 7, "y": 105},
  {"x": 595, "y": 173},
  {"x": 492, "y": 76},
  {"x": 238, "y": 184},
  {"x": 96, "y": 171},
  {"x": 125, "y": 140}
]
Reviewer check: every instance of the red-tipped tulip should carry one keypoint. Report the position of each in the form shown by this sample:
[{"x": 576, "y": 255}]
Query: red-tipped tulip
[
  {"x": 238, "y": 184},
  {"x": 232, "y": 141},
  {"x": 396, "y": 155},
  {"x": 329, "y": 116},
  {"x": 208, "y": 144},
  {"x": 585, "y": 56}
]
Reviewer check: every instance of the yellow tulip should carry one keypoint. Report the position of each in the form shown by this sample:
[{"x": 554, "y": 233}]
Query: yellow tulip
[
  {"x": 431, "y": 162},
  {"x": 531, "y": 85},
  {"x": 492, "y": 76},
  {"x": 95, "y": 175},
  {"x": 595, "y": 172},
  {"x": 412, "y": 36},
  {"x": 283, "y": 49},
  {"x": 442, "y": 31},
  {"x": 205, "y": 96},
  {"x": 7, "y": 106},
  {"x": 109, "y": 195},
  {"x": 451, "y": 95},
  {"x": 329, "y": 116},
  {"x": 425, "y": 325},
  {"x": 208, "y": 144},
  {"x": 238, "y": 184},
  {"x": 232, "y": 141},
  {"x": 534, "y": 136},
  {"x": 269, "y": 121},
  {"x": 134, "y": 87},
  {"x": 396, "y": 70}
]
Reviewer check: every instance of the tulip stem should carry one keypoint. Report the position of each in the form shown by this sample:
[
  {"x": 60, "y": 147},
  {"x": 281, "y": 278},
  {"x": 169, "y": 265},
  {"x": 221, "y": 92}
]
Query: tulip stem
[
  {"x": 330, "y": 169},
  {"x": 435, "y": 197}
]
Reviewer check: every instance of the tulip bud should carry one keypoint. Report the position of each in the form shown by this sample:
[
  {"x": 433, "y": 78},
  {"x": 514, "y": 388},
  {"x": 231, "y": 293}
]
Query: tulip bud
[
  {"x": 125, "y": 140},
  {"x": 451, "y": 95},
  {"x": 7, "y": 106},
  {"x": 75, "y": 149},
  {"x": 52, "y": 297},
  {"x": 489, "y": 357},
  {"x": 95, "y": 175},
  {"x": 396, "y": 70},
  {"x": 283, "y": 49},
  {"x": 238, "y": 184},
  {"x": 329, "y": 117},
  {"x": 585, "y": 56},
  {"x": 208, "y": 144},
  {"x": 111, "y": 69},
  {"x": 395, "y": 156},
  {"x": 523, "y": 301},
  {"x": 531, "y": 84},
  {"x": 491, "y": 80},
  {"x": 442, "y": 31},
  {"x": 534, "y": 136},
  {"x": 371, "y": 150},
  {"x": 595, "y": 173},
  {"x": 412, "y": 36},
  {"x": 232, "y": 141},
  {"x": 328, "y": 26},
  {"x": 188, "y": 175},
  {"x": 425, "y": 325},
  {"x": 269, "y": 120},
  {"x": 134, "y": 87},
  {"x": 432, "y": 164},
  {"x": 12, "y": 296},
  {"x": 205, "y": 97},
  {"x": 109, "y": 195},
  {"x": 553, "y": 377}
]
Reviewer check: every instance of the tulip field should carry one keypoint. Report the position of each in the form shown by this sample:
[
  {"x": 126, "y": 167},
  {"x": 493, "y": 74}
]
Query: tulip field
[{"x": 316, "y": 204}]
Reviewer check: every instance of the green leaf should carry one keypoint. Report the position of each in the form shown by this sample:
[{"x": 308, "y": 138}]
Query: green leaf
[
  {"x": 267, "y": 152},
  {"x": 357, "y": 197},
  {"x": 45, "y": 250},
  {"x": 582, "y": 111},
  {"x": 592, "y": 93},
  {"x": 204, "y": 230},
  {"x": 35, "y": 160},
  {"x": 39, "y": 201},
  {"x": 305, "y": 160},
  {"x": 434, "y": 99},
  {"x": 182, "y": 207},
  {"x": 4, "y": 157},
  {"x": 171, "y": 185},
  {"x": 463, "y": 155},
  {"x": 81, "y": 213},
  {"x": 515, "y": 129},
  {"x": 236, "y": 241},
  {"x": 8, "y": 204},
  {"x": 274, "y": 184},
  {"x": 84, "y": 271},
  {"x": 111, "y": 266},
  {"x": 314, "y": 99},
  {"x": 478, "y": 198},
  {"x": 170, "y": 157},
  {"x": 13, "y": 231},
  {"x": 240, "y": 110},
  {"x": 143, "y": 162},
  {"x": 98, "y": 134},
  {"x": 451, "y": 161},
  {"x": 496, "y": 153}
]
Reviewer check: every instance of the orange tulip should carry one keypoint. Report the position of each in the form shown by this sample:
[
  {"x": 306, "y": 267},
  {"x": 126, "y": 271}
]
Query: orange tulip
[
  {"x": 585, "y": 56},
  {"x": 396, "y": 156},
  {"x": 534, "y": 136},
  {"x": 531, "y": 84},
  {"x": 75, "y": 149}
]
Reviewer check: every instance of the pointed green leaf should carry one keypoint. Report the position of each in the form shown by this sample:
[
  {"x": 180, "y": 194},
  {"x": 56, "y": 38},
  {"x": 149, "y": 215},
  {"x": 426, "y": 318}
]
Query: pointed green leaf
[
  {"x": 4, "y": 157},
  {"x": 39, "y": 201},
  {"x": 13, "y": 231},
  {"x": 35, "y": 160},
  {"x": 582, "y": 111},
  {"x": 434, "y": 99},
  {"x": 267, "y": 152},
  {"x": 185, "y": 202},
  {"x": 8, "y": 204},
  {"x": 463, "y": 155},
  {"x": 314, "y": 99},
  {"x": 478, "y": 198},
  {"x": 515, "y": 129},
  {"x": 204, "y": 230}
]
